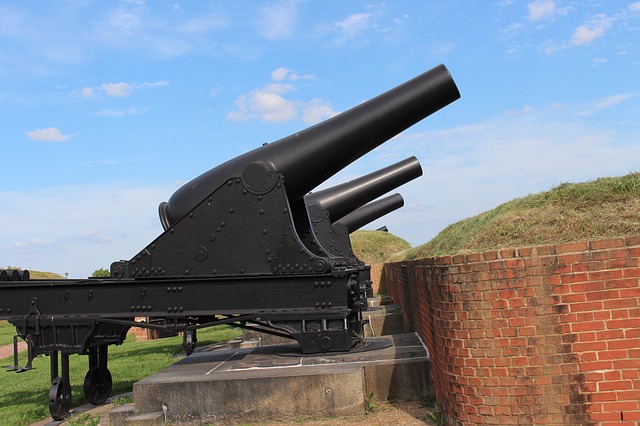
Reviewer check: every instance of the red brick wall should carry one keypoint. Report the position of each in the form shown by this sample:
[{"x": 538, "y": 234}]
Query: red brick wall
[
  {"x": 376, "y": 274},
  {"x": 538, "y": 335}
]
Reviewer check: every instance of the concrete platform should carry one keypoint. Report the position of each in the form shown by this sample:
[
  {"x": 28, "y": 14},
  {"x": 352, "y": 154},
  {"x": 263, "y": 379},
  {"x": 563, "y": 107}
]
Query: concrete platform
[{"x": 276, "y": 382}]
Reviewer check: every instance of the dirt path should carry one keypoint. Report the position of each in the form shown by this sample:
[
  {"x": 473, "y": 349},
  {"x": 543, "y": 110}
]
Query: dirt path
[{"x": 7, "y": 350}]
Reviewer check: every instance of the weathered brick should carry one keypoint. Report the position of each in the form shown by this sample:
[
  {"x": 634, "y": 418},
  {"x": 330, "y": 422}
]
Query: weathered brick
[
  {"x": 624, "y": 344},
  {"x": 632, "y": 241},
  {"x": 585, "y": 306},
  {"x": 603, "y": 295},
  {"x": 612, "y": 354},
  {"x": 571, "y": 247},
  {"x": 623, "y": 323},
  {"x": 605, "y": 244},
  {"x": 490, "y": 255},
  {"x": 622, "y": 283}
]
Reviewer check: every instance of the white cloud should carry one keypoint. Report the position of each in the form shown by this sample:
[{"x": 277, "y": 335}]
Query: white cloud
[
  {"x": 279, "y": 88},
  {"x": 512, "y": 27},
  {"x": 527, "y": 109},
  {"x": 113, "y": 112},
  {"x": 272, "y": 107},
  {"x": 635, "y": 7},
  {"x": 268, "y": 104},
  {"x": 117, "y": 112},
  {"x": 203, "y": 23},
  {"x": 540, "y": 9},
  {"x": 282, "y": 73},
  {"x": 279, "y": 74},
  {"x": 265, "y": 105},
  {"x": 152, "y": 84},
  {"x": 316, "y": 111},
  {"x": 87, "y": 92},
  {"x": 50, "y": 134},
  {"x": 607, "y": 102},
  {"x": 125, "y": 21},
  {"x": 598, "y": 61},
  {"x": 441, "y": 48},
  {"x": 295, "y": 77},
  {"x": 33, "y": 242},
  {"x": 117, "y": 89},
  {"x": 353, "y": 25},
  {"x": 93, "y": 236},
  {"x": 278, "y": 20},
  {"x": 584, "y": 35},
  {"x": 135, "y": 2}
]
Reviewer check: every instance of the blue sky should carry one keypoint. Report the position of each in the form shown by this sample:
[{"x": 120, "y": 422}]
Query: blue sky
[{"x": 106, "y": 108}]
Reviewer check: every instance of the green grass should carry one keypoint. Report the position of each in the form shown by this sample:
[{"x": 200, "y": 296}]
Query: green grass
[
  {"x": 6, "y": 333},
  {"x": 377, "y": 247},
  {"x": 23, "y": 396},
  {"x": 604, "y": 208}
]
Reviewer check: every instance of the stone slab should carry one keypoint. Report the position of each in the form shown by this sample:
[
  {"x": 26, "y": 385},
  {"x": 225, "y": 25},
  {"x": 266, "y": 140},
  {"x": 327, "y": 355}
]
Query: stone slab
[
  {"x": 146, "y": 419},
  {"x": 277, "y": 382},
  {"x": 119, "y": 415},
  {"x": 383, "y": 321},
  {"x": 379, "y": 300}
]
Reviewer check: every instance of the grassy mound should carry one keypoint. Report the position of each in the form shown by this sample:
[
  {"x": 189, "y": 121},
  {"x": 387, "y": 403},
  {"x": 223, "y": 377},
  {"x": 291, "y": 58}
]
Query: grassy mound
[
  {"x": 604, "y": 208},
  {"x": 37, "y": 275},
  {"x": 378, "y": 247}
]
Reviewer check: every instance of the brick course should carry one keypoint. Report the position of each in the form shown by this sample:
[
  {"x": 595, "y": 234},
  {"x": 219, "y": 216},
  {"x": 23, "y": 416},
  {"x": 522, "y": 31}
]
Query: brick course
[{"x": 535, "y": 335}]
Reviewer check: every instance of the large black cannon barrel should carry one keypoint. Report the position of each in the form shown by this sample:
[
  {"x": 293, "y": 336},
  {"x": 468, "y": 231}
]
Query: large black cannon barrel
[
  {"x": 370, "y": 212},
  {"x": 14, "y": 275},
  {"x": 310, "y": 157},
  {"x": 343, "y": 199}
]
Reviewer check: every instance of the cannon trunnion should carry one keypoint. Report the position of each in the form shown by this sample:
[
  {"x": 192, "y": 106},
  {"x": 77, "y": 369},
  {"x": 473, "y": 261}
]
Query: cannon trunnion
[{"x": 245, "y": 244}]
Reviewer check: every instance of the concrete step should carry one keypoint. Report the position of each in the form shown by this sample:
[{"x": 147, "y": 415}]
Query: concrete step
[
  {"x": 276, "y": 382},
  {"x": 145, "y": 419},
  {"x": 380, "y": 300},
  {"x": 119, "y": 415},
  {"x": 383, "y": 321}
]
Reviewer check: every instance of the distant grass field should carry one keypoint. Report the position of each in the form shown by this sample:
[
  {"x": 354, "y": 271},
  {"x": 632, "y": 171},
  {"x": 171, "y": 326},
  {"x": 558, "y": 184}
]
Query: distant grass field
[{"x": 24, "y": 396}]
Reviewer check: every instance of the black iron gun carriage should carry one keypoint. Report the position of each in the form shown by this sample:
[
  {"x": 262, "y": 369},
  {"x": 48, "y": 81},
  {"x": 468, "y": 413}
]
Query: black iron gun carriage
[{"x": 245, "y": 243}]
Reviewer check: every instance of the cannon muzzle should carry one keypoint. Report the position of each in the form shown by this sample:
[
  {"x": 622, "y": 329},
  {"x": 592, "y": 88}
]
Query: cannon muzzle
[
  {"x": 370, "y": 212},
  {"x": 308, "y": 158},
  {"x": 343, "y": 199}
]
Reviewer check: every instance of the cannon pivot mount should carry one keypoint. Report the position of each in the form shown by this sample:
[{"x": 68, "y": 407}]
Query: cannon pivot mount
[{"x": 243, "y": 244}]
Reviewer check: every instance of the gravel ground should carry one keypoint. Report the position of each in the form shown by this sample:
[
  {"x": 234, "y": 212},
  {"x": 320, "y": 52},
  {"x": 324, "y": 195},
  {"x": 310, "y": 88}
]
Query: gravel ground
[{"x": 397, "y": 414}]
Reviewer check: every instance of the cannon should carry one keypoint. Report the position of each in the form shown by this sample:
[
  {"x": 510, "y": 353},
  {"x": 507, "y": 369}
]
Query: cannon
[
  {"x": 370, "y": 212},
  {"x": 246, "y": 243}
]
